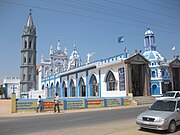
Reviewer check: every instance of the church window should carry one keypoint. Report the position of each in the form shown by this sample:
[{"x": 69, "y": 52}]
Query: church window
[
  {"x": 94, "y": 85},
  {"x": 111, "y": 82},
  {"x": 29, "y": 59},
  {"x": 30, "y": 45},
  {"x": 58, "y": 88},
  {"x": 24, "y": 76},
  {"x": 72, "y": 88},
  {"x": 43, "y": 87},
  {"x": 82, "y": 87},
  {"x": 25, "y": 44},
  {"x": 64, "y": 89},
  {"x": 24, "y": 59},
  {"x": 153, "y": 74}
]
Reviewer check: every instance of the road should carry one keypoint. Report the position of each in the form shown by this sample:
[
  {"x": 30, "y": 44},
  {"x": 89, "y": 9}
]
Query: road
[{"x": 102, "y": 122}]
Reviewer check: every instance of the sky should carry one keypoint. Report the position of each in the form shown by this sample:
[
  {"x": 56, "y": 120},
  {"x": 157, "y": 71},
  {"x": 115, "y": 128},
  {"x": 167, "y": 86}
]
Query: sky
[{"x": 92, "y": 25}]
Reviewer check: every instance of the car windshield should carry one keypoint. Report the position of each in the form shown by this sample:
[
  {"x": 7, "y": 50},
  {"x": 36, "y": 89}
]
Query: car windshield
[
  {"x": 163, "y": 105},
  {"x": 169, "y": 94}
]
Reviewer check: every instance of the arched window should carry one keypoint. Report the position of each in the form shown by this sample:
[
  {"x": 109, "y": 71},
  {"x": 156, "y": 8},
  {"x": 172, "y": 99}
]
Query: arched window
[
  {"x": 30, "y": 45},
  {"x": 94, "y": 86},
  {"x": 25, "y": 44},
  {"x": 58, "y": 88},
  {"x": 29, "y": 59},
  {"x": 24, "y": 76},
  {"x": 43, "y": 87},
  {"x": 48, "y": 91},
  {"x": 82, "y": 87},
  {"x": 153, "y": 74},
  {"x": 24, "y": 59},
  {"x": 111, "y": 82},
  {"x": 72, "y": 88},
  {"x": 64, "y": 89},
  {"x": 52, "y": 90}
]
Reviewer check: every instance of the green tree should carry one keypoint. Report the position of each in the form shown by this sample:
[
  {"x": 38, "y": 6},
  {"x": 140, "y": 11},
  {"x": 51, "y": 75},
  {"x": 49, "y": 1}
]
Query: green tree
[{"x": 2, "y": 89}]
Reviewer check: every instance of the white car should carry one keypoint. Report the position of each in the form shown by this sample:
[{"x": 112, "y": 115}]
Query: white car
[
  {"x": 162, "y": 115},
  {"x": 169, "y": 94}
]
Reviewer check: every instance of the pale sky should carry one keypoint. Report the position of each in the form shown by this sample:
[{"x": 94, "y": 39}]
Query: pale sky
[{"x": 93, "y": 25}]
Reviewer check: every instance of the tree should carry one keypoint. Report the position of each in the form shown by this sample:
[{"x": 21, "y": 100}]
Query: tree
[{"x": 2, "y": 89}]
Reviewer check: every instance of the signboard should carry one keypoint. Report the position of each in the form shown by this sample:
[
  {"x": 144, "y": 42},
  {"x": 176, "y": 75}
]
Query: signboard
[
  {"x": 49, "y": 105},
  {"x": 26, "y": 105},
  {"x": 95, "y": 103},
  {"x": 75, "y": 104},
  {"x": 113, "y": 102},
  {"x": 121, "y": 78},
  {"x": 127, "y": 101}
]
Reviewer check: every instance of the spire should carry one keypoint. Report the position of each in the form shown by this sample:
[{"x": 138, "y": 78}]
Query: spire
[
  {"x": 51, "y": 50},
  {"x": 58, "y": 46},
  {"x": 65, "y": 50},
  {"x": 149, "y": 40},
  {"x": 30, "y": 20},
  {"x": 42, "y": 58},
  {"x": 29, "y": 27}
]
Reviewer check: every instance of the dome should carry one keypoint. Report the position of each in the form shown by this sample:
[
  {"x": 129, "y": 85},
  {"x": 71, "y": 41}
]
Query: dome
[
  {"x": 153, "y": 56},
  {"x": 74, "y": 54},
  {"x": 148, "y": 32}
]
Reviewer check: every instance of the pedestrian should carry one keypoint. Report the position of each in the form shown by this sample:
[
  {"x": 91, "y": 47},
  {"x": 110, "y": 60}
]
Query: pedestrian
[
  {"x": 39, "y": 104},
  {"x": 56, "y": 103}
]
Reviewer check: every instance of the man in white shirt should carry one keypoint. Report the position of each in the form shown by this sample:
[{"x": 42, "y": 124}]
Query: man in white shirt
[{"x": 56, "y": 103}]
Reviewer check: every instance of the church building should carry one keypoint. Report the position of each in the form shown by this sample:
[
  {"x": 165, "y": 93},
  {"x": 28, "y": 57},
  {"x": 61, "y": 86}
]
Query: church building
[
  {"x": 161, "y": 78},
  {"x": 116, "y": 76}
]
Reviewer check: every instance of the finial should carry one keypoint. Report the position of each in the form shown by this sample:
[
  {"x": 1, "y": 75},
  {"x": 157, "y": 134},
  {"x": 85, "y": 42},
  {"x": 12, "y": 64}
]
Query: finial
[
  {"x": 74, "y": 45},
  {"x": 30, "y": 10}
]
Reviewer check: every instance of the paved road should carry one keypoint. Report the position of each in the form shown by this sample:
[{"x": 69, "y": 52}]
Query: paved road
[{"x": 103, "y": 122}]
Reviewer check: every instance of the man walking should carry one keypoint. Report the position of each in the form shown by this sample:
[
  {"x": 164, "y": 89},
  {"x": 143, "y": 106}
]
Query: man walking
[
  {"x": 56, "y": 103},
  {"x": 39, "y": 104}
]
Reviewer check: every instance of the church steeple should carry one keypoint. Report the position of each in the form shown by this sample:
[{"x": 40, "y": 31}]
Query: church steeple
[
  {"x": 28, "y": 58},
  {"x": 149, "y": 40},
  {"x": 29, "y": 27}
]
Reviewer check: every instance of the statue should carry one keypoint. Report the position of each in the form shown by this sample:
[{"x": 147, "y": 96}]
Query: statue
[
  {"x": 89, "y": 55},
  {"x": 69, "y": 65}
]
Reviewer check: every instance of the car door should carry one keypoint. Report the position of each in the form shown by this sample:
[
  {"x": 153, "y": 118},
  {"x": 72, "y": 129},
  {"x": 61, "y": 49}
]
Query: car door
[
  {"x": 178, "y": 114},
  {"x": 177, "y": 95}
]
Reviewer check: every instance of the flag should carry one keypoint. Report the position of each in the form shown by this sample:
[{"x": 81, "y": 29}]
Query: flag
[
  {"x": 173, "y": 49},
  {"x": 121, "y": 39}
]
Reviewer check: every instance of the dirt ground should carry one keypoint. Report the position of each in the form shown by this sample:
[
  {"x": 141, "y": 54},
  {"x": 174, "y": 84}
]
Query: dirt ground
[{"x": 5, "y": 106}]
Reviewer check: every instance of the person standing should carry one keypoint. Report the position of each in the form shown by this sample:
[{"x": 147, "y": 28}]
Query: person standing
[
  {"x": 56, "y": 103},
  {"x": 39, "y": 104}
]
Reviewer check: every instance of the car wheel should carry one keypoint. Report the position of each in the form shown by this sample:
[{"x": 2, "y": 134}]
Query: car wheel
[{"x": 172, "y": 126}]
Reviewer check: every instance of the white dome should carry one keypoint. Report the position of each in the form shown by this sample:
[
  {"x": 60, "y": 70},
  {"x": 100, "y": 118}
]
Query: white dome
[
  {"x": 148, "y": 32},
  {"x": 153, "y": 56}
]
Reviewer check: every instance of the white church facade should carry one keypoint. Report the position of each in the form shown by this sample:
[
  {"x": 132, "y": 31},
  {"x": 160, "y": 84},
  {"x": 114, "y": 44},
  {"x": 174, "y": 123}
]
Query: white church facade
[{"x": 116, "y": 76}]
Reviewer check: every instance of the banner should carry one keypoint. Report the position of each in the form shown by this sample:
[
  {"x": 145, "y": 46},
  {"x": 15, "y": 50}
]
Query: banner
[
  {"x": 113, "y": 102},
  {"x": 95, "y": 103},
  {"x": 75, "y": 104}
]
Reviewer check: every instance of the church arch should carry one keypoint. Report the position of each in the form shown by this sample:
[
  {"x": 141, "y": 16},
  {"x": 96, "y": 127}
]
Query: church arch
[
  {"x": 43, "y": 87},
  {"x": 25, "y": 44},
  {"x": 58, "y": 88},
  {"x": 94, "y": 91},
  {"x": 154, "y": 89},
  {"x": 72, "y": 88},
  {"x": 82, "y": 87},
  {"x": 153, "y": 73},
  {"x": 64, "y": 89},
  {"x": 111, "y": 81},
  {"x": 48, "y": 91},
  {"x": 52, "y": 90}
]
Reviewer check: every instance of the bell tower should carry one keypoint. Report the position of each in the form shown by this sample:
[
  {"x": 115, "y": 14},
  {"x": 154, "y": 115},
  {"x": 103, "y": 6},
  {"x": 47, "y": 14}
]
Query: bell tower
[
  {"x": 28, "y": 58},
  {"x": 149, "y": 40}
]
